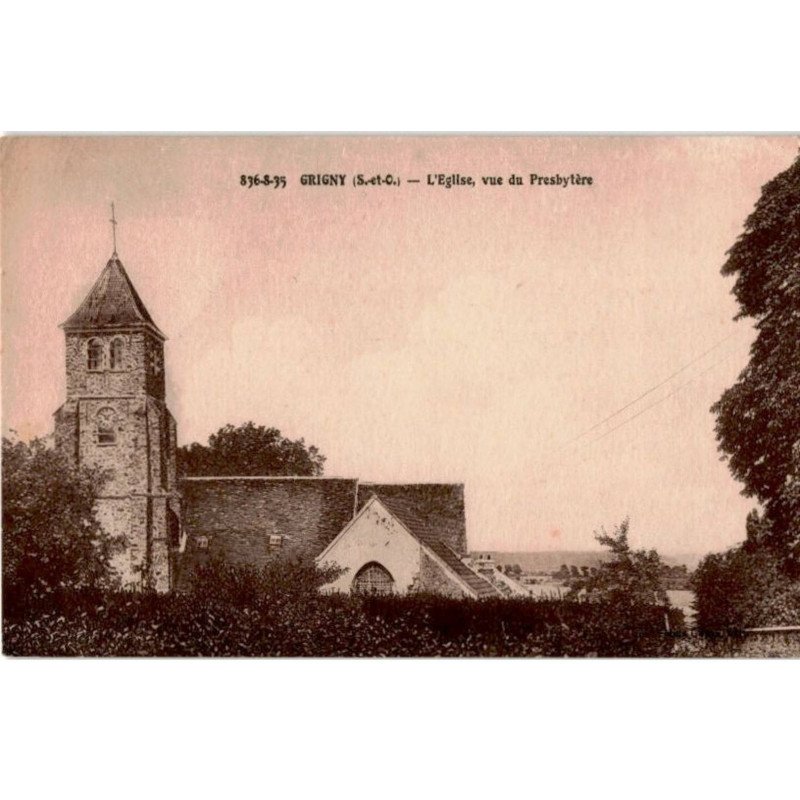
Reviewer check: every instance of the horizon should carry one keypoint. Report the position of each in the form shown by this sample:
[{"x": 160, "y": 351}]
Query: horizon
[{"x": 482, "y": 336}]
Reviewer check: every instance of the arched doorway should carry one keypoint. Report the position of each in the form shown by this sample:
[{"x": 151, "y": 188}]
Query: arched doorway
[{"x": 373, "y": 578}]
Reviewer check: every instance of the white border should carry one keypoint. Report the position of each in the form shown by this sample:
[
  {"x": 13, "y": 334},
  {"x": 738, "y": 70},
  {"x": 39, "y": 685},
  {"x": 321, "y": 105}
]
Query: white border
[{"x": 408, "y": 728}]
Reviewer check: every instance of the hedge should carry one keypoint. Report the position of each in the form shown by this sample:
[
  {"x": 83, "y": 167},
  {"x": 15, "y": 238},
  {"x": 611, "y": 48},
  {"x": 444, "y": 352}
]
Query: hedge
[{"x": 279, "y": 624}]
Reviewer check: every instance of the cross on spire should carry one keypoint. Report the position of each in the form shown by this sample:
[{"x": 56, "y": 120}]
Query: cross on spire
[{"x": 113, "y": 222}]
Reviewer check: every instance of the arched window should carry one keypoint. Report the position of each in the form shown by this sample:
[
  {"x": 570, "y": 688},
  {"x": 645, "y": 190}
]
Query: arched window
[
  {"x": 106, "y": 432},
  {"x": 373, "y": 578},
  {"x": 95, "y": 354},
  {"x": 116, "y": 355}
]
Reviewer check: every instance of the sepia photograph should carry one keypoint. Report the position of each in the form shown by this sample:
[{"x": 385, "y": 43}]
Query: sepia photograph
[{"x": 370, "y": 396}]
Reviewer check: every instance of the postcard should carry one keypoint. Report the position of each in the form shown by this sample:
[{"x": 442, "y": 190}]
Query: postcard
[{"x": 401, "y": 396}]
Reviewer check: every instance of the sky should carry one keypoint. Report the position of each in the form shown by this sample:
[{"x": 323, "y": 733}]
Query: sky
[{"x": 418, "y": 333}]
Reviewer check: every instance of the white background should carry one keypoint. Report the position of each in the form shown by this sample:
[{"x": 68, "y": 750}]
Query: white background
[{"x": 290, "y": 729}]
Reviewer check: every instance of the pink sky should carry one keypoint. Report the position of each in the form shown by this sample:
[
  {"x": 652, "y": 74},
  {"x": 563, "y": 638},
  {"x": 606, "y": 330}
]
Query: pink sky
[{"x": 417, "y": 333}]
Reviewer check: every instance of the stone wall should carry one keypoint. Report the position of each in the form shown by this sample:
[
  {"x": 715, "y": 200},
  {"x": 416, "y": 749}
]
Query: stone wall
[
  {"x": 66, "y": 430},
  {"x": 134, "y": 375},
  {"x": 254, "y": 520},
  {"x": 140, "y": 463}
]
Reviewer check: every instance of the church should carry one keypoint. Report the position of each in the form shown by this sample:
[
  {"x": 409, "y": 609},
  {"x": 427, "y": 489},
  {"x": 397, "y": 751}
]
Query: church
[{"x": 386, "y": 538}]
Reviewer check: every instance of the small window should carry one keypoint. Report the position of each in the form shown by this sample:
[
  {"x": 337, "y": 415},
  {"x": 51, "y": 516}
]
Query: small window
[
  {"x": 202, "y": 542},
  {"x": 116, "y": 356},
  {"x": 95, "y": 355},
  {"x": 106, "y": 433},
  {"x": 275, "y": 541}
]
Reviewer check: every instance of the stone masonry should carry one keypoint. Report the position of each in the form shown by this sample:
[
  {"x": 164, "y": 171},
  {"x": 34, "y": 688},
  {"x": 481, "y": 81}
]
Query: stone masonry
[{"x": 115, "y": 417}]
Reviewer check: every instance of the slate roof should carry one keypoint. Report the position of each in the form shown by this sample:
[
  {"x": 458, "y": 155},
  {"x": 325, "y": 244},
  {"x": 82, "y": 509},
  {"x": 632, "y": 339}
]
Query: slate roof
[
  {"x": 237, "y": 516},
  {"x": 441, "y": 505},
  {"x": 425, "y": 530},
  {"x": 112, "y": 302}
]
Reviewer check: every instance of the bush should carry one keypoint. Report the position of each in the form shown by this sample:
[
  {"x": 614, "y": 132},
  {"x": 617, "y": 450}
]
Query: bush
[
  {"x": 745, "y": 587},
  {"x": 52, "y": 542},
  {"x": 277, "y": 611},
  {"x": 629, "y": 578}
]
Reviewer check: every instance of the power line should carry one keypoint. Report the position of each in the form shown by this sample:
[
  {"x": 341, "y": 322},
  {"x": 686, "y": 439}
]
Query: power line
[
  {"x": 658, "y": 402},
  {"x": 652, "y": 389},
  {"x": 646, "y": 408}
]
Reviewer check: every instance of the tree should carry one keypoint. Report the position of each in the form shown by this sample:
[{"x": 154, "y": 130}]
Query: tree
[
  {"x": 744, "y": 587},
  {"x": 52, "y": 541},
  {"x": 629, "y": 578},
  {"x": 250, "y": 449},
  {"x": 758, "y": 418},
  {"x": 513, "y": 571}
]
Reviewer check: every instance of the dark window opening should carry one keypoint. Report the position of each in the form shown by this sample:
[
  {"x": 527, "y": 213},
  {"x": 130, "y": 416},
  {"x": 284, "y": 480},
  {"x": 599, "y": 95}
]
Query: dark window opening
[
  {"x": 116, "y": 355},
  {"x": 106, "y": 434},
  {"x": 95, "y": 355}
]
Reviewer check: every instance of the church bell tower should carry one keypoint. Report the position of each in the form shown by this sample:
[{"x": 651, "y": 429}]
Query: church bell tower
[{"x": 115, "y": 417}]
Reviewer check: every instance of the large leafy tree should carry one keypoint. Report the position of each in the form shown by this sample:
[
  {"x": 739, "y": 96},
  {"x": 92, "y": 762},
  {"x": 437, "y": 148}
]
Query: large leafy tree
[
  {"x": 52, "y": 541},
  {"x": 758, "y": 418},
  {"x": 250, "y": 449}
]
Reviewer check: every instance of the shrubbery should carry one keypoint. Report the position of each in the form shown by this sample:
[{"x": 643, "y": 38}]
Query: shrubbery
[
  {"x": 52, "y": 541},
  {"x": 745, "y": 587},
  {"x": 278, "y": 611},
  {"x": 60, "y": 598},
  {"x": 629, "y": 578}
]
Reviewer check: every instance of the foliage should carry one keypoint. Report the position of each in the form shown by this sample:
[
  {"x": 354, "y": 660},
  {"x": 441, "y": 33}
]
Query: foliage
[
  {"x": 630, "y": 577},
  {"x": 242, "y": 611},
  {"x": 284, "y": 579},
  {"x": 758, "y": 418},
  {"x": 745, "y": 587},
  {"x": 52, "y": 541},
  {"x": 250, "y": 449}
]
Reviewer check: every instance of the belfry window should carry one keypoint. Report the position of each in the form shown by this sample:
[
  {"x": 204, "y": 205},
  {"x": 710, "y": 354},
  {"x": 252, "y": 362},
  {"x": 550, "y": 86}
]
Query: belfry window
[
  {"x": 117, "y": 354},
  {"x": 95, "y": 354},
  {"x": 373, "y": 578},
  {"x": 106, "y": 433}
]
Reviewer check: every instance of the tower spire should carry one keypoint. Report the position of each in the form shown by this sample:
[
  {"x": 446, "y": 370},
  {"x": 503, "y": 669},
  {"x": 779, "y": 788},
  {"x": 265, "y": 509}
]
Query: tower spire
[{"x": 113, "y": 222}]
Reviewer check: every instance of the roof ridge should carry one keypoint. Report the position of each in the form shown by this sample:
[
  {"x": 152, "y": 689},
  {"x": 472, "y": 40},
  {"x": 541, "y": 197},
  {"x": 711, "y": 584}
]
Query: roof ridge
[
  {"x": 412, "y": 483},
  {"x": 265, "y": 478}
]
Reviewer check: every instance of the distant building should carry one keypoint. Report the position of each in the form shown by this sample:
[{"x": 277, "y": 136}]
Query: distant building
[
  {"x": 483, "y": 562},
  {"x": 485, "y": 565},
  {"x": 387, "y": 537}
]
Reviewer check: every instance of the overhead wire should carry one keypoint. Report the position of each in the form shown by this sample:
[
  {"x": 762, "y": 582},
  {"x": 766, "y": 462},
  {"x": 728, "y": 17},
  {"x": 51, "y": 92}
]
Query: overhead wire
[
  {"x": 652, "y": 389},
  {"x": 650, "y": 406}
]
